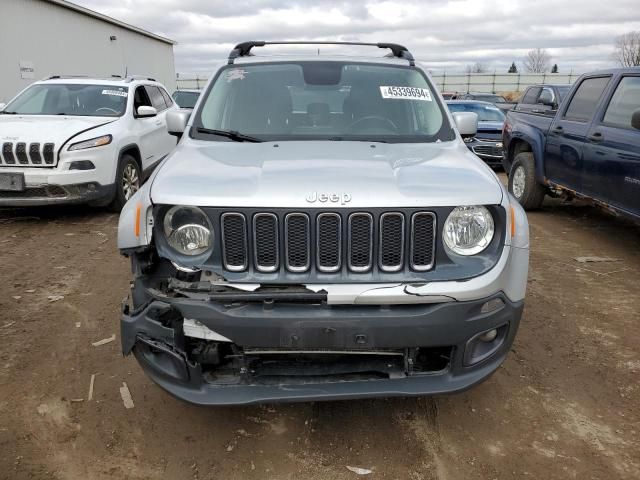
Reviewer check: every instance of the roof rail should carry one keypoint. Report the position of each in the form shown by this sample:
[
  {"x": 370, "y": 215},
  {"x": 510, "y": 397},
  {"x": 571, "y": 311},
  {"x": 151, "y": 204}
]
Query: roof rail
[
  {"x": 244, "y": 49},
  {"x": 131, "y": 78},
  {"x": 54, "y": 77}
]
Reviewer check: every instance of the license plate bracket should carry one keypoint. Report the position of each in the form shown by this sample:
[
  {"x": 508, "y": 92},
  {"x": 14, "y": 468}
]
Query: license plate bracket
[{"x": 12, "y": 182}]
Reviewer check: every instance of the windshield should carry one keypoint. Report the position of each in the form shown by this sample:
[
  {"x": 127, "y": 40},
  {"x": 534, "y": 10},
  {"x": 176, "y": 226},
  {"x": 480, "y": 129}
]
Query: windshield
[
  {"x": 490, "y": 98},
  {"x": 186, "y": 99},
  {"x": 486, "y": 113},
  {"x": 323, "y": 100},
  {"x": 70, "y": 99}
]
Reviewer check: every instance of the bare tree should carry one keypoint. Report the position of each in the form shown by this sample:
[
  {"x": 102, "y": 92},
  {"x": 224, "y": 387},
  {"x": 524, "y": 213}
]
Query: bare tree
[
  {"x": 627, "y": 49},
  {"x": 476, "y": 68},
  {"x": 537, "y": 60}
]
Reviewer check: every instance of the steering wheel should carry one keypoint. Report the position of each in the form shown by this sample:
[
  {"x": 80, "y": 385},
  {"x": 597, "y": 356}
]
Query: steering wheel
[
  {"x": 115, "y": 112},
  {"x": 373, "y": 119}
]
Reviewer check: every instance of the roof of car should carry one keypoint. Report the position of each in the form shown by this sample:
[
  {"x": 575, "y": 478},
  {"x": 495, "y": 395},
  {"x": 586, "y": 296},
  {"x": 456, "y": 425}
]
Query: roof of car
[
  {"x": 614, "y": 71},
  {"x": 119, "y": 81},
  {"x": 489, "y": 104}
]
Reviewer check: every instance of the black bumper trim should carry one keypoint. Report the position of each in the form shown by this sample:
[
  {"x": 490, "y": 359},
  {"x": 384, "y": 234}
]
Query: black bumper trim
[{"x": 321, "y": 326}]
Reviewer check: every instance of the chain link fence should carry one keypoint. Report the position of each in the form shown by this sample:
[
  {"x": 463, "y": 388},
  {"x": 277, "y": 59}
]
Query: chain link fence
[
  {"x": 461, "y": 83},
  {"x": 497, "y": 82}
]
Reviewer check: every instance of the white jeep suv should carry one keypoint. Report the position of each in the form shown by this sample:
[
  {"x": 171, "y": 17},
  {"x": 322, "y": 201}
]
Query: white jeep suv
[{"x": 82, "y": 140}]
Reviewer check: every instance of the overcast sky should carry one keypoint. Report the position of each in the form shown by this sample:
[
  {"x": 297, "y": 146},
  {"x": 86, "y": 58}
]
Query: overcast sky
[{"x": 446, "y": 35}]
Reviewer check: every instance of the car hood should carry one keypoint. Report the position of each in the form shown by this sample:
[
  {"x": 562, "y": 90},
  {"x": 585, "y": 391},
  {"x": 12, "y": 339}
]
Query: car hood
[
  {"x": 344, "y": 174},
  {"x": 490, "y": 126},
  {"x": 45, "y": 128}
]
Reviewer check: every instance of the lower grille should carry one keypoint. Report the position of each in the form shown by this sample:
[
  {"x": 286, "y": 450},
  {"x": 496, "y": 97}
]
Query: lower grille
[
  {"x": 328, "y": 242},
  {"x": 51, "y": 191},
  {"x": 32, "y": 155},
  {"x": 488, "y": 150}
]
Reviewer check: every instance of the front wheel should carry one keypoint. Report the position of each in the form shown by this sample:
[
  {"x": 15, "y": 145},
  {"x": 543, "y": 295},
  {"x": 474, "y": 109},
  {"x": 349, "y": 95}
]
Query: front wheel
[
  {"x": 523, "y": 184},
  {"x": 128, "y": 181}
]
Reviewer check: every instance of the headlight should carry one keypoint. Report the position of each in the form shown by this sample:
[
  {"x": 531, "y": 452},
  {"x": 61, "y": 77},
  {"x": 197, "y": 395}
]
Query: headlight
[
  {"x": 94, "y": 142},
  {"x": 187, "y": 230},
  {"x": 468, "y": 230}
]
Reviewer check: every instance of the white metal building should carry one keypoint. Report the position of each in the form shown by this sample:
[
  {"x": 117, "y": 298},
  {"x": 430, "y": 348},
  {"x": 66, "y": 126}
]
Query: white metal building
[{"x": 41, "y": 38}]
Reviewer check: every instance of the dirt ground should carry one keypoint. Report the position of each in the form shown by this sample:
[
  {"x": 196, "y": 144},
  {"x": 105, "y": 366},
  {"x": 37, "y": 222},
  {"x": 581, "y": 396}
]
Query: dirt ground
[{"x": 565, "y": 404}]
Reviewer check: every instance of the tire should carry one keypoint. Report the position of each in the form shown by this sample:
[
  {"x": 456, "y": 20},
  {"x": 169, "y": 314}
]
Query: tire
[
  {"x": 128, "y": 181},
  {"x": 523, "y": 184}
]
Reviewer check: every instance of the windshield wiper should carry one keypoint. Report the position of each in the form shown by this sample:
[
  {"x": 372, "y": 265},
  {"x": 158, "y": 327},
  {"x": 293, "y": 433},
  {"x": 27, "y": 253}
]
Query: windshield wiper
[
  {"x": 231, "y": 134},
  {"x": 4, "y": 112}
]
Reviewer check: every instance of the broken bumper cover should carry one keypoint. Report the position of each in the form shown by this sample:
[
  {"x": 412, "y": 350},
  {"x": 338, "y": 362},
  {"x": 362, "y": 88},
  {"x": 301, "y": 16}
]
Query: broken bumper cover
[{"x": 455, "y": 326}]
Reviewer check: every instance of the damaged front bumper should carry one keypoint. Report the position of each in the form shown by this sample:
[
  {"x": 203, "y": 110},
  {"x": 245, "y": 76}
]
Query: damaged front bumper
[{"x": 235, "y": 352}]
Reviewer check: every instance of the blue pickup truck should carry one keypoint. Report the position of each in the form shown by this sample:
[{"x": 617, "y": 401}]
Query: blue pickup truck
[{"x": 578, "y": 142}]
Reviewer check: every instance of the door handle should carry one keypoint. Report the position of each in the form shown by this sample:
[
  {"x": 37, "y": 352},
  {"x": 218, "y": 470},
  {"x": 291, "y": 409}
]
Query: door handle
[
  {"x": 158, "y": 123},
  {"x": 558, "y": 129},
  {"x": 596, "y": 137}
]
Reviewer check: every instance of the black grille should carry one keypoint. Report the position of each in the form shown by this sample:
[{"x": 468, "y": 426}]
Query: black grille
[
  {"x": 48, "y": 153},
  {"x": 488, "y": 150},
  {"x": 329, "y": 242},
  {"x": 391, "y": 241},
  {"x": 265, "y": 226},
  {"x": 7, "y": 153},
  {"x": 234, "y": 245},
  {"x": 34, "y": 153},
  {"x": 297, "y": 244},
  {"x": 422, "y": 240},
  {"x": 51, "y": 191},
  {"x": 360, "y": 242},
  {"x": 21, "y": 153}
]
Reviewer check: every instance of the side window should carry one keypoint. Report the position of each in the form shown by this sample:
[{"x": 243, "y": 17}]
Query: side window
[
  {"x": 157, "y": 100},
  {"x": 531, "y": 95},
  {"x": 624, "y": 102},
  {"x": 167, "y": 97},
  {"x": 584, "y": 101},
  {"x": 141, "y": 99}
]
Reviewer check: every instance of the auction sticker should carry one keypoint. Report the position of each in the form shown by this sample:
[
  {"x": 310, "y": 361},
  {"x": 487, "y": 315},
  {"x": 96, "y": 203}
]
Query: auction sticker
[
  {"x": 114, "y": 92},
  {"x": 406, "y": 93}
]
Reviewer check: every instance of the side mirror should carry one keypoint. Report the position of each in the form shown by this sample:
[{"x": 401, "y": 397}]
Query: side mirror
[
  {"x": 546, "y": 98},
  {"x": 467, "y": 123},
  {"x": 177, "y": 121},
  {"x": 146, "y": 112},
  {"x": 2, "y": 105},
  {"x": 635, "y": 119}
]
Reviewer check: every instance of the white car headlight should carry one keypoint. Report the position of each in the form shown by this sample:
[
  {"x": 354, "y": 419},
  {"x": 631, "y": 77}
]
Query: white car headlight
[
  {"x": 94, "y": 142},
  {"x": 468, "y": 230},
  {"x": 188, "y": 230}
]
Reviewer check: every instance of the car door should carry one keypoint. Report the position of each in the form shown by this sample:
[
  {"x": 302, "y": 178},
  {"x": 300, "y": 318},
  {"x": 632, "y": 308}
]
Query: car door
[
  {"x": 568, "y": 133},
  {"x": 164, "y": 142},
  {"x": 146, "y": 129},
  {"x": 612, "y": 151}
]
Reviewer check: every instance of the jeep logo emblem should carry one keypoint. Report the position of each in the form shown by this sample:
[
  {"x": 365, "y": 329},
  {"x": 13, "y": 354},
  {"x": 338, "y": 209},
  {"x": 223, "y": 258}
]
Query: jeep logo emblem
[{"x": 342, "y": 198}]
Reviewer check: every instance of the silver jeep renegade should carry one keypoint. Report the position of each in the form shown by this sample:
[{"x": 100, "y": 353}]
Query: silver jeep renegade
[{"x": 321, "y": 232}]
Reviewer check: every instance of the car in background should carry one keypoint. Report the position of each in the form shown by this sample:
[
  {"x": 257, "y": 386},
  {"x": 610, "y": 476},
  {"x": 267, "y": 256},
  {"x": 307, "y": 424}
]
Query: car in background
[
  {"x": 186, "y": 98},
  {"x": 82, "y": 140},
  {"x": 498, "y": 100},
  {"x": 487, "y": 144},
  {"x": 542, "y": 99},
  {"x": 587, "y": 147},
  {"x": 449, "y": 95}
]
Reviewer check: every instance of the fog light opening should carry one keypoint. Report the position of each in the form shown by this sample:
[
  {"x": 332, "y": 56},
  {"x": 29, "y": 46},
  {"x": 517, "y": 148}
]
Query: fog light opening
[{"x": 488, "y": 336}]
